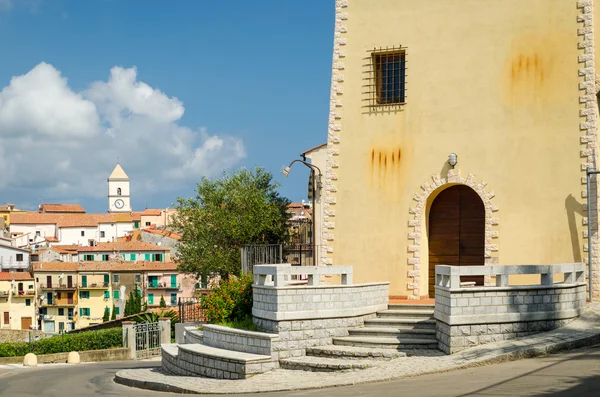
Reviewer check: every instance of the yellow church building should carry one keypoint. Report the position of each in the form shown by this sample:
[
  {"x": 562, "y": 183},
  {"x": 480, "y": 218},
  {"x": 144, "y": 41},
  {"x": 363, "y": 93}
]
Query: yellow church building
[{"x": 460, "y": 133}]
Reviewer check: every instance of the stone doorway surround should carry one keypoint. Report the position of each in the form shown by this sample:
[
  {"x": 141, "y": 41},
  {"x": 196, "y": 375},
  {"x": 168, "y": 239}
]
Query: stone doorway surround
[{"x": 417, "y": 225}]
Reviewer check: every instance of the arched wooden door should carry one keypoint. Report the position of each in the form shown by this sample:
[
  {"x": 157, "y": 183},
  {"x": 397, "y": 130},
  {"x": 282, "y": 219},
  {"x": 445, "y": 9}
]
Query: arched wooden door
[{"x": 456, "y": 231}]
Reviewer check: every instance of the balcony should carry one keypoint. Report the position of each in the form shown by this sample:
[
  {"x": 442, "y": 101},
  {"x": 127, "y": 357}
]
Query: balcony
[
  {"x": 58, "y": 287},
  {"x": 4, "y": 294},
  {"x": 94, "y": 286},
  {"x": 59, "y": 303},
  {"x": 23, "y": 294},
  {"x": 156, "y": 285}
]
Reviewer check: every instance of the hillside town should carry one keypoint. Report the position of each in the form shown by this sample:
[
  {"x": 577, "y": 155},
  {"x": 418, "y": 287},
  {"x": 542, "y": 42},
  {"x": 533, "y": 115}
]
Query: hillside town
[{"x": 62, "y": 267}]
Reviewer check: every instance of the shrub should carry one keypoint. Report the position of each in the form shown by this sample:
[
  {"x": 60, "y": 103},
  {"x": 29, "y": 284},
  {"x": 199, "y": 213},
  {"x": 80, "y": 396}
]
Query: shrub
[
  {"x": 163, "y": 304},
  {"x": 90, "y": 340},
  {"x": 152, "y": 317},
  {"x": 230, "y": 300}
]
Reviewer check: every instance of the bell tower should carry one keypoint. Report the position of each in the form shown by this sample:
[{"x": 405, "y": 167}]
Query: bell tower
[{"x": 118, "y": 191}]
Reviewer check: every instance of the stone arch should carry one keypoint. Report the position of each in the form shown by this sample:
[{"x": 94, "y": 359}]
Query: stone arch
[{"x": 418, "y": 212}]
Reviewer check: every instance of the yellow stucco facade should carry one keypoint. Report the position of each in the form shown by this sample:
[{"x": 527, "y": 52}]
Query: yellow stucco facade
[{"x": 507, "y": 85}]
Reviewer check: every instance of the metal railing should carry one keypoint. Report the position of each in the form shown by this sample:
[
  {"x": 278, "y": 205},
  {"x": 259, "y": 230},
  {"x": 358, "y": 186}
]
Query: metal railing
[
  {"x": 190, "y": 310},
  {"x": 297, "y": 254},
  {"x": 147, "y": 340},
  {"x": 57, "y": 286},
  {"x": 94, "y": 285}
]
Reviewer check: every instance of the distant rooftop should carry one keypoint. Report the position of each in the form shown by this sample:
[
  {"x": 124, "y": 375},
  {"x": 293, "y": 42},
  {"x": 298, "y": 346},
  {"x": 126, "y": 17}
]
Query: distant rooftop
[{"x": 61, "y": 209}]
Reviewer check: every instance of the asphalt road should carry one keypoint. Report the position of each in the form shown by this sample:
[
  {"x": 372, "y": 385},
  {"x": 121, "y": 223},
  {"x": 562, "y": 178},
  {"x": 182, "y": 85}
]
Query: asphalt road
[{"x": 568, "y": 374}]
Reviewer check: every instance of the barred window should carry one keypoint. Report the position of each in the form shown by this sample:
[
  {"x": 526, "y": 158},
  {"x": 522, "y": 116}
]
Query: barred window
[{"x": 386, "y": 77}]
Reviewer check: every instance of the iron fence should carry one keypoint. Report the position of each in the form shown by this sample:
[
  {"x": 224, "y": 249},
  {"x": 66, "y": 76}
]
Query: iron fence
[
  {"x": 190, "y": 310},
  {"x": 297, "y": 254},
  {"x": 147, "y": 340}
]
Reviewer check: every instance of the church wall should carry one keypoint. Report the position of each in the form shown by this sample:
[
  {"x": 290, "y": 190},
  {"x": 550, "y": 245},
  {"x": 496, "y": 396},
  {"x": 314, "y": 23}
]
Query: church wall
[{"x": 496, "y": 84}]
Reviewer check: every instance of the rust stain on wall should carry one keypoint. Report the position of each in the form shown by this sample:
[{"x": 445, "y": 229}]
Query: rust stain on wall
[{"x": 533, "y": 69}]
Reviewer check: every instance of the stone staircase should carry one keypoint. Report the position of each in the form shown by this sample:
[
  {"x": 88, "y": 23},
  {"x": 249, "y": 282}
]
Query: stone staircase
[{"x": 400, "y": 328}]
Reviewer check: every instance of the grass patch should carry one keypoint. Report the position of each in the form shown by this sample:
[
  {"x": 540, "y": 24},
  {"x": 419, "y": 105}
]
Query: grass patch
[{"x": 245, "y": 324}]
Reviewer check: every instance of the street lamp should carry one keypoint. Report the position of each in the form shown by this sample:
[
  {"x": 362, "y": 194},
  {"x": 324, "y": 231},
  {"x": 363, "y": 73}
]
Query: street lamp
[{"x": 286, "y": 172}]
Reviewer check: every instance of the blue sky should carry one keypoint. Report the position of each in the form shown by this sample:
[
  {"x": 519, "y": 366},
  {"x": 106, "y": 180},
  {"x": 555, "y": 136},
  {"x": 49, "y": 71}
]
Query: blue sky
[{"x": 174, "y": 89}]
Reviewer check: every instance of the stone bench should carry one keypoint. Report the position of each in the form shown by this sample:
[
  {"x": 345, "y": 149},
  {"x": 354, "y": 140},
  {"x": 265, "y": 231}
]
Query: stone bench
[
  {"x": 192, "y": 335},
  {"x": 211, "y": 362}
]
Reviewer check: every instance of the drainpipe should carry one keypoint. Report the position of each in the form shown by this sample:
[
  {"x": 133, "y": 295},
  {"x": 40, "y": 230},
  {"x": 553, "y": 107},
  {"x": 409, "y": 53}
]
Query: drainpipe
[{"x": 588, "y": 174}]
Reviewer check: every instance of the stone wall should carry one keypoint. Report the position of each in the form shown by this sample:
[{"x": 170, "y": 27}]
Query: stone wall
[
  {"x": 20, "y": 335},
  {"x": 296, "y": 335},
  {"x": 318, "y": 302},
  {"x": 472, "y": 316},
  {"x": 87, "y": 356},
  {"x": 238, "y": 339}
]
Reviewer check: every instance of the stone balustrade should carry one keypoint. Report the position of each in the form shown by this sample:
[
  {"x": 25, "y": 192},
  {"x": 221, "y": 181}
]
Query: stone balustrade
[
  {"x": 311, "y": 314},
  {"x": 472, "y": 315},
  {"x": 280, "y": 275}
]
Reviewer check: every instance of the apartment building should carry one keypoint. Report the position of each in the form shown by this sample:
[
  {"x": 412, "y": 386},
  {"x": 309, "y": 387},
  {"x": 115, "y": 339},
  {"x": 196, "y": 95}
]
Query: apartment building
[
  {"x": 75, "y": 294},
  {"x": 12, "y": 258},
  {"x": 17, "y": 300},
  {"x": 125, "y": 250}
]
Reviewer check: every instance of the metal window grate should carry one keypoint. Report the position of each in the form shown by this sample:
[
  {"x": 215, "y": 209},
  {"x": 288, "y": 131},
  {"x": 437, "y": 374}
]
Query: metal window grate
[{"x": 385, "y": 77}]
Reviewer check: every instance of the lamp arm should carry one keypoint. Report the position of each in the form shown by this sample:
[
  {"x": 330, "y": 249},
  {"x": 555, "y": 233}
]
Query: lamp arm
[{"x": 309, "y": 165}]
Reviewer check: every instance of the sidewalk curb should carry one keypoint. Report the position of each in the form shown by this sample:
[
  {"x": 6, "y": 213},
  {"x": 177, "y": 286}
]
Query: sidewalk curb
[{"x": 517, "y": 354}]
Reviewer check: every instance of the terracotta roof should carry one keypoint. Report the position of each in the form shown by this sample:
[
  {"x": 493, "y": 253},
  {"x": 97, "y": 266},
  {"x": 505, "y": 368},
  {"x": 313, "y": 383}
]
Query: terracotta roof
[
  {"x": 66, "y": 247},
  {"x": 17, "y": 276},
  {"x": 51, "y": 239},
  {"x": 6, "y": 208},
  {"x": 68, "y": 220},
  {"x": 55, "y": 266},
  {"x": 314, "y": 148},
  {"x": 118, "y": 173},
  {"x": 103, "y": 266},
  {"x": 121, "y": 246},
  {"x": 62, "y": 208},
  {"x": 136, "y": 216},
  {"x": 165, "y": 233},
  {"x": 151, "y": 212}
]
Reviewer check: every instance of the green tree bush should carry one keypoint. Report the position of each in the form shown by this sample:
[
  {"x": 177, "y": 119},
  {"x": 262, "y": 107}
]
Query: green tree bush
[
  {"x": 162, "y": 304},
  {"x": 240, "y": 208},
  {"x": 113, "y": 316},
  {"x": 229, "y": 301},
  {"x": 106, "y": 315},
  {"x": 90, "y": 340}
]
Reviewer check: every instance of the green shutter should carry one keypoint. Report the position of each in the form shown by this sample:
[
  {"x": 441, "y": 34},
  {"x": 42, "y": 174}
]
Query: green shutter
[
  {"x": 150, "y": 299},
  {"x": 84, "y": 281},
  {"x": 147, "y": 257},
  {"x": 132, "y": 257},
  {"x": 116, "y": 310},
  {"x": 81, "y": 312},
  {"x": 106, "y": 278},
  {"x": 116, "y": 294},
  {"x": 173, "y": 281},
  {"x": 136, "y": 224},
  {"x": 106, "y": 295}
]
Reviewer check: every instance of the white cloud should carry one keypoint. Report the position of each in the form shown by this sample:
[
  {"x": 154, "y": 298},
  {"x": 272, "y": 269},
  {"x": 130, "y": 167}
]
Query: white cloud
[
  {"x": 40, "y": 102},
  {"x": 61, "y": 145}
]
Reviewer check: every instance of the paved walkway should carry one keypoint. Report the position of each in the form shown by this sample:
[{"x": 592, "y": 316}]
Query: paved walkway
[{"x": 585, "y": 331}]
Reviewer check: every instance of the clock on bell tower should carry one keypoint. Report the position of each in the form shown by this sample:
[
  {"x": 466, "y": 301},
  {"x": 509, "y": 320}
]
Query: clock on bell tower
[{"x": 118, "y": 191}]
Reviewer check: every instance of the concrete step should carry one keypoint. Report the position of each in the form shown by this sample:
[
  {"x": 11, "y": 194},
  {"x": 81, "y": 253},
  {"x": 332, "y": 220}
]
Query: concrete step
[
  {"x": 324, "y": 364},
  {"x": 391, "y": 332},
  {"x": 385, "y": 343},
  {"x": 402, "y": 323},
  {"x": 353, "y": 353},
  {"x": 170, "y": 348},
  {"x": 409, "y": 306},
  {"x": 412, "y": 313}
]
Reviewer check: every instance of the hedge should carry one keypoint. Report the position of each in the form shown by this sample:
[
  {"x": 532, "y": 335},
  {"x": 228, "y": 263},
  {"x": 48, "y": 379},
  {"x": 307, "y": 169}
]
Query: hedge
[{"x": 91, "y": 340}]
